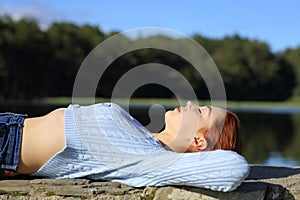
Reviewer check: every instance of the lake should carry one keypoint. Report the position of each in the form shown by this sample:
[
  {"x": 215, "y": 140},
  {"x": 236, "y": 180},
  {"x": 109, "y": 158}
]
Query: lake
[{"x": 271, "y": 136}]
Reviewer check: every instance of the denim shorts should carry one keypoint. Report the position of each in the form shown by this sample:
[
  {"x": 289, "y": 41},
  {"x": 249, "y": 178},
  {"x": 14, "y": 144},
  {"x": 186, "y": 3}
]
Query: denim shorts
[{"x": 11, "y": 128}]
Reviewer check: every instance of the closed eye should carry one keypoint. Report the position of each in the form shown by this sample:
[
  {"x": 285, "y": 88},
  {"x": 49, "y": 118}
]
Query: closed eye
[{"x": 209, "y": 109}]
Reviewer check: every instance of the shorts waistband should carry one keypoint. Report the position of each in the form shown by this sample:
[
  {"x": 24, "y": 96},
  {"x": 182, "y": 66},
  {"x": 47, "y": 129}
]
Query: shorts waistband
[{"x": 11, "y": 128}]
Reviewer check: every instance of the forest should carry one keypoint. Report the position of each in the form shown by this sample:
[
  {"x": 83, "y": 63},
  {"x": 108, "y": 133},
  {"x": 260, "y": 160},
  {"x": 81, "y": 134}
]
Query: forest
[{"x": 40, "y": 62}]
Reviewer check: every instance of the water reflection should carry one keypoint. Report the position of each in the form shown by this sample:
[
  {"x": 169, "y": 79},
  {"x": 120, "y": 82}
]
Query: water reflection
[
  {"x": 268, "y": 138},
  {"x": 268, "y": 135}
]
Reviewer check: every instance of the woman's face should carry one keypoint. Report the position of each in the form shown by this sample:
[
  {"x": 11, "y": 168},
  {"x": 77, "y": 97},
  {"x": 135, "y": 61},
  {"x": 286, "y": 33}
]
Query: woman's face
[{"x": 191, "y": 118}]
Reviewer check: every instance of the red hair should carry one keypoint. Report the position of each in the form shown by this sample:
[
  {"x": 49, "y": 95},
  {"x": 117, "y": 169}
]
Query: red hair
[{"x": 226, "y": 136}]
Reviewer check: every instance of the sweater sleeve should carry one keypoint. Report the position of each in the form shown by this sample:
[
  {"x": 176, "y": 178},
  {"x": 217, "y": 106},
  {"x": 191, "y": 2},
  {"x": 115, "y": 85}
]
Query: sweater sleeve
[{"x": 216, "y": 170}]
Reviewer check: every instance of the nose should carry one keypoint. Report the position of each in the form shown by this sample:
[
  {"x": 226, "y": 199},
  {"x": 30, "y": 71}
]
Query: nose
[{"x": 190, "y": 105}]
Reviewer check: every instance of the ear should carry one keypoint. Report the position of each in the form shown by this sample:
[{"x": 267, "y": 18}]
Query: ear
[{"x": 201, "y": 143}]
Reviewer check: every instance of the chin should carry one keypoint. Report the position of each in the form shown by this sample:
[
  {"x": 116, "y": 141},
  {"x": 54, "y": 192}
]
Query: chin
[{"x": 168, "y": 115}]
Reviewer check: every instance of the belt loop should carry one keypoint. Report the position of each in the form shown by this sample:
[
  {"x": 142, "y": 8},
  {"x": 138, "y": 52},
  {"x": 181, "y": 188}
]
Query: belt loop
[{"x": 16, "y": 119}]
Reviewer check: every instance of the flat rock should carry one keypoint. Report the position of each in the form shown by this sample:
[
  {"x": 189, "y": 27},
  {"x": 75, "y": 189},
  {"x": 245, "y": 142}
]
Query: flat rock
[{"x": 263, "y": 182}]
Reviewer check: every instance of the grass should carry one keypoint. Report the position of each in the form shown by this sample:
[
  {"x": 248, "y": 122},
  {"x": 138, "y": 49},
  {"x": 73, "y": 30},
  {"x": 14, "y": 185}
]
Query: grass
[
  {"x": 14, "y": 193},
  {"x": 295, "y": 102},
  {"x": 64, "y": 101}
]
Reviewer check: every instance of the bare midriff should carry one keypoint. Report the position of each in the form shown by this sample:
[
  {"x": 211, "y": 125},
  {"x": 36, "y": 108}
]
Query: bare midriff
[{"x": 42, "y": 138}]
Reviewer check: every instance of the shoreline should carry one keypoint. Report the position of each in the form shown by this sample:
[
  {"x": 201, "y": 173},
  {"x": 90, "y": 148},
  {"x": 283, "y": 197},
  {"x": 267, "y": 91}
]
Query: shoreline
[{"x": 288, "y": 107}]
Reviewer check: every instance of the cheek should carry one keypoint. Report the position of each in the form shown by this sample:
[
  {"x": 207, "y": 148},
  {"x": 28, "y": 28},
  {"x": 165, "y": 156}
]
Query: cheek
[{"x": 203, "y": 124}]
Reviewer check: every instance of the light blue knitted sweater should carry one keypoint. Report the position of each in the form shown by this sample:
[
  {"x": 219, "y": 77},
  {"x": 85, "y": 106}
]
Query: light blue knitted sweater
[{"x": 104, "y": 142}]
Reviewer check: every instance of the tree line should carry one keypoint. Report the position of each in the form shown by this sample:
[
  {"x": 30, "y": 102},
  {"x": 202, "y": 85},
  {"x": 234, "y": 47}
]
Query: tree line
[{"x": 36, "y": 63}]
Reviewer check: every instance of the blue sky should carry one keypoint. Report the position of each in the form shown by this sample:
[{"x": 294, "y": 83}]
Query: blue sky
[{"x": 274, "y": 22}]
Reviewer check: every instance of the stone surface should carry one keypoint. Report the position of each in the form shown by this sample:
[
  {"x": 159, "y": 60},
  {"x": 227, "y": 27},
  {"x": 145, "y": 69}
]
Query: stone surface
[{"x": 263, "y": 182}]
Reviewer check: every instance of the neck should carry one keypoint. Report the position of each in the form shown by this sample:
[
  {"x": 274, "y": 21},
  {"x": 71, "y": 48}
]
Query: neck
[
  {"x": 172, "y": 141},
  {"x": 164, "y": 137}
]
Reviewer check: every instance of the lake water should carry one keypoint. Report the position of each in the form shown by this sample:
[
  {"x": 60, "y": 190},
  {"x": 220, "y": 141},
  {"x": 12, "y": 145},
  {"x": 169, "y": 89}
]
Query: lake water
[{"x": 271, "y": 136}]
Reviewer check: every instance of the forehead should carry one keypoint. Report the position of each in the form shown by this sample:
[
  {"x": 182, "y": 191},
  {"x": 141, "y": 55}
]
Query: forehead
[{"x": 217, "y": 112}]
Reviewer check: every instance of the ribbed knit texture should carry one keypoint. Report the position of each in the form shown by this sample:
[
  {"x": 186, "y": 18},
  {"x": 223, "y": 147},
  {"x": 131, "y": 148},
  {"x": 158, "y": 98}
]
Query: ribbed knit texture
[{"x": 104, "y": 142}]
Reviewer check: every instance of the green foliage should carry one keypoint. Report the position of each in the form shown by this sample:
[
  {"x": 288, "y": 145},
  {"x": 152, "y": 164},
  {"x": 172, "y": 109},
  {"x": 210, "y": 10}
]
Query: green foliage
[
  {"x": 293, "y": 56},
  {"x": 251, "y": 72},
  {"x": 38, "y": 63},
  {"x": 69, "y": 45},
  {"x": 22, "y": 47}
]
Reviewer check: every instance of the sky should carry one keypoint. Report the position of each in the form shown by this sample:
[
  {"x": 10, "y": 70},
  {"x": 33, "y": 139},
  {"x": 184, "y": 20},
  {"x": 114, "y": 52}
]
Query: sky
[{"x": 275, "y": 22}]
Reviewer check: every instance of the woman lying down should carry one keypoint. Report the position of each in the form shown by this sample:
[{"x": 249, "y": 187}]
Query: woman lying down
[{"x": 199, "y": 146}]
